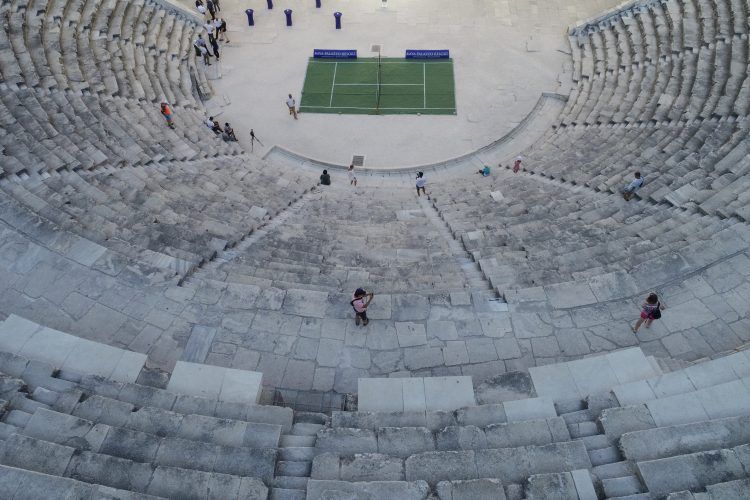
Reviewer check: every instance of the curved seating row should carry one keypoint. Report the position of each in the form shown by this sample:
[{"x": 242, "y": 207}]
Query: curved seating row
[
  {"x": 660, "y": 87},
  {"x": 528, "y": 232}
]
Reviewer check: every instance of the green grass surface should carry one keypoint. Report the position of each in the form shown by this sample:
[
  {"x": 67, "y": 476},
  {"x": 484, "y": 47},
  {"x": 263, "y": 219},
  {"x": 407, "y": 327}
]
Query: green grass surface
[{"x": 401, "y": 87}]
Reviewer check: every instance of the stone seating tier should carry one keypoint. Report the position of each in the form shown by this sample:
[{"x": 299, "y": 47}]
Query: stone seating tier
[
  {"x": 661, "y": 87},
  {"x": 540, "y": 233}
]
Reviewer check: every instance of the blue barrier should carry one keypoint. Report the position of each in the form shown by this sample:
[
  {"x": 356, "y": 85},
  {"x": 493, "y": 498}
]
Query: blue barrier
[
  {"x": 337, "y": 16},
  {"x": 334, "y": 54},
  {"x": 427, "y": 54}
]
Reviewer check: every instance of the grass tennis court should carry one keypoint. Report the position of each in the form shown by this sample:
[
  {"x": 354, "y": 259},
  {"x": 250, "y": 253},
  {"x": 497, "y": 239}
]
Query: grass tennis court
[{"x": 402, "y": 86}]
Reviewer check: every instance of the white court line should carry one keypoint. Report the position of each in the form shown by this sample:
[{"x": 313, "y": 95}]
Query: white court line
[
  {"x": 333, "y": 84},
  {"x": 350, "y": 107},
  {"x": 375, "y": 62},
  {"x": 424, "y": 84},
  {"x": 382, "y": 84}
]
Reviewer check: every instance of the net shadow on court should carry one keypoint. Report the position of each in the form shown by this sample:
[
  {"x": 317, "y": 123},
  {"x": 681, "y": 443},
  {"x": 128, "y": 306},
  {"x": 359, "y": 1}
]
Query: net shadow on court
[{"x": 397, "y": 86}]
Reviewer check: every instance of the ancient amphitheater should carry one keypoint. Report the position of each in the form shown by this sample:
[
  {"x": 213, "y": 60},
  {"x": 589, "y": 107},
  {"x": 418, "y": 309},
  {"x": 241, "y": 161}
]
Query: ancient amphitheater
[{"x": 175, "y": 308}]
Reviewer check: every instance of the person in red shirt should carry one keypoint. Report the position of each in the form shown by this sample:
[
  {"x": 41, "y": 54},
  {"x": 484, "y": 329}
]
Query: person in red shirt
[
  {"x": 166, "y": 111},
  {"x": 360, "y": 303}
]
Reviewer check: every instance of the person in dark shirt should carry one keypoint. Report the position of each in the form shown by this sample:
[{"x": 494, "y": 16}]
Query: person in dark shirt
[{"x": 325, "y": 179}]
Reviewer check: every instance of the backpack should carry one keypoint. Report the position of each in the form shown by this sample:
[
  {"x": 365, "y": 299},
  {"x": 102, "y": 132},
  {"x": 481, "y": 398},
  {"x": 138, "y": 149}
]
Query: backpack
[{"x": 656, "y": 313}]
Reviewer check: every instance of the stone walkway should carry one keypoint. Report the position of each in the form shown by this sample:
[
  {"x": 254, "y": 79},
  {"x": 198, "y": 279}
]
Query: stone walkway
[{"x": 306, "y": 340}]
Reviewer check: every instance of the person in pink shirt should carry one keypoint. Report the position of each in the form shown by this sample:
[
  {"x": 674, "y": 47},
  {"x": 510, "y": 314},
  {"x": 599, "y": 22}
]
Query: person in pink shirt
[
  {"x": 517, "y": 165},
  {"x": 360, "y": 302}
]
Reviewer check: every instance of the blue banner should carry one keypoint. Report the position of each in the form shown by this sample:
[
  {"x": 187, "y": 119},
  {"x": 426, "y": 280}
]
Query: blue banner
[
  {"x": 334, "y": 54},
  {"x": 427, "y": 54}
]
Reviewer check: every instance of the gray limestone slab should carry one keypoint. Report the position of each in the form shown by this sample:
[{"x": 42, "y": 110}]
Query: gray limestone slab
[
  {"x": 455, "y": 353},
  {"x": 334, "y": 328},
  {"x": 726, "y": 400},
  {"x": 442, "y": 330},
  {"x": 48, "y": 345},
  {"x": 554, "y": 381},
  {"x": 710, "y": 373},
  {"x": 460, "y": 299},
  {"x": 381, "y": 336},
  {"x": 93, "y": 358},
  {"x": 572, "y": 342},
  {"x": 448, "y": 393},
  {"x": 507, "y": 348},
  {"x": 529, "y": 325},
  {"x": 380, "y": 394},
  {"x": 670, "y": 384},
  {"x": 413, "y": 393},
  {"x": 416, "y": 358},
  {"x": 323, "y": 379},
  {"x": 481, "y": 350},
  {"x": 329, "y": 352},
  {"x": 612, "y": 286},
  {"x": 394, "y": 490},
  {"x": 298, "y": 375},
  {"x": 545, "y": 347},
  {"x": 198, "y": 344},
  {"x": 411, "y": 334},
  {"x": 270, "y": 298},
  {"x": 372, "y": 467},
  {"x": 380, "y": 307},
  {"x": 570, "y": 294},
  {"x": 410, "y": 307},
  {"x": 495, "y": 324},
  {"x": 473, "y": 489},
  {"x": 584, "y": 485},
  {"x": 690, "y": 314},
  {"x": 678, "y": 409},
  {"x": 634, "y": 392},
  {"x": 436, "y": 466},
  {"x": 630, "y": 365},
  {"x": 593, "y": 375},
  {"x": 306, "y": 348},
  {"x": 687, "y": 472},
  {"x": 305, "y": 303},
  {"x": 239, "y": 296},
  {"x": 404, "y": 441},
  {"x": 529, "y": 409}
]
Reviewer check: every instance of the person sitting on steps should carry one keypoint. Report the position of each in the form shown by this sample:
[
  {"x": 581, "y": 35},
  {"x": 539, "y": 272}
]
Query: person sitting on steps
[{"x": 629, "y": 190}]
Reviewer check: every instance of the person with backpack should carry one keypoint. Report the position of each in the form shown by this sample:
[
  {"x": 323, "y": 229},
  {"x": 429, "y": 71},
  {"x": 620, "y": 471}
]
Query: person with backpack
[
  {"x": 359, "y": 303},
  {"x": 650, "y": 310}
]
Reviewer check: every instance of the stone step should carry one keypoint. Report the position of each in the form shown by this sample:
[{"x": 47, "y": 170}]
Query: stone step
[
  {"x": 291, "y": 468},
  {"x": 305, "y": 429},
  {"x": 50, "y": 458},
  {"x": 578, "y": 416},
  {"x": 17, "y": 418},
  {"x": 290, "y": 482},
  {"x": 622, "y": 486},
  {"x": 309, "y": 417},
  {"x": 39, "y": 485},
  {"x": 614, "y": 470},
  {"x": 296, "y": 454},
  {"x": 583, "y": 429},
  {"x": 124, "y": 443},
  {"x": 605, "y": 456},
  {"x": 287, "y": 494},
  {"x": 292, "y": 441},
  {"x": 596, "y": 442}
]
